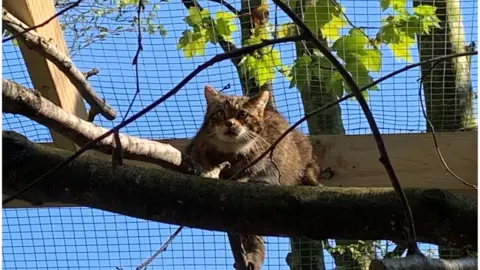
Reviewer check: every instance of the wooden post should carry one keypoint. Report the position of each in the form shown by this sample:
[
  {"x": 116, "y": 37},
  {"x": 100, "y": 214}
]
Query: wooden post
[{"x": 45, "y": 76}]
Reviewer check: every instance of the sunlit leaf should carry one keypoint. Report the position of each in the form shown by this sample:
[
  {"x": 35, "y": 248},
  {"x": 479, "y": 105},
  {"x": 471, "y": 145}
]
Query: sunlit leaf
[
  {"x": 301, "y": 73},
  {"x": 224, "y": 25},
  {"x": 320, "y": 14},
  {"x": 354, "y": 42},
  {"x": 331, "y": 30},
  {"x": 370, "y": 58},
  {"x": 196, "y": 16},
  {"x": 192, "y": 43}
]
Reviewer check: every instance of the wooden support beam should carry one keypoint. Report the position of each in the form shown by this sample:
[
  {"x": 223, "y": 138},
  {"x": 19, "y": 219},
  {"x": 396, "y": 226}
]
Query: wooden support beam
[
  {"x": 45, "y": 76},
  {"x": 354, "y": 159}
]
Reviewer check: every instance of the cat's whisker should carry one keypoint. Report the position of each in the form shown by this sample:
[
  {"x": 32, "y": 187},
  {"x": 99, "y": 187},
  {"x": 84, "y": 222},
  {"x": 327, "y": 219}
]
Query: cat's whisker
[{"x": 254, "y": 135}]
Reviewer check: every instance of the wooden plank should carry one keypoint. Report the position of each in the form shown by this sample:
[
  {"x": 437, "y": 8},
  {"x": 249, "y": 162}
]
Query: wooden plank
[
  {"x": 45, "y": 76},
  {"x": 355, "y": 160}
]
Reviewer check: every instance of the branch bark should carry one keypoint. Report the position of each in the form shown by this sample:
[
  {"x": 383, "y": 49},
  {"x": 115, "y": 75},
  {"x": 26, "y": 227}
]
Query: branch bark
[
  {"x": 161, "y": 195},
  {"x": 19, "y": 100},
  {"x": 421, "y": 262},
  {"x": 61, "y": 61}
]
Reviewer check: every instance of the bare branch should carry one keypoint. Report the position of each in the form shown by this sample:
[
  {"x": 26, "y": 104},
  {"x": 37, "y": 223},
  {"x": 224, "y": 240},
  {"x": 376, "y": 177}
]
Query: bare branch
[
  {"x": 61, "y": 61},
  {"x": 19, "y": 100},
  {"x": 28, "y": 29},
  {"x": 93, "y": 71},
  {"x": 162, "y": 249},
  {"x": 217, "y": 58},
  {"x": 214, "y": 173},
  {"x": 421, "y": 262},
  {"x": 161, "y": 195}
]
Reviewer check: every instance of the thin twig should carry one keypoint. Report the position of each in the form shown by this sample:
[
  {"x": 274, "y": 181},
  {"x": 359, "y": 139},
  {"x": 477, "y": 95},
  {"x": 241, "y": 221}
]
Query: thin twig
[
  {"x": 213, "y": 173},
  {"x": 88, "y": 74},
  {"x": 43, "y": 23},
  {"x": 48, "y": 50},
  {"x": 17, "y": 99},
  {"x": 140, "y": 7},
  {"x": 162, "y": 249},
  {"x": 432, "y": 128},
  {"x": 217, "y": 58},
  {"x": 228, "y": 6}
]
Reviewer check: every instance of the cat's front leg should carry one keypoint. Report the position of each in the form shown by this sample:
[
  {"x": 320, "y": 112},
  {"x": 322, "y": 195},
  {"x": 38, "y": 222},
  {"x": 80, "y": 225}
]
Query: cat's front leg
[{"x": 270, "y": 176}]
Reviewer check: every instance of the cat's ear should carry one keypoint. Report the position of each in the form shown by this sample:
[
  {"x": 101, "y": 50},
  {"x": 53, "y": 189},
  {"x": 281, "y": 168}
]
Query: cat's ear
[
  {"x": 211, "y": 95},
  {"x": 260, "y": 100}
]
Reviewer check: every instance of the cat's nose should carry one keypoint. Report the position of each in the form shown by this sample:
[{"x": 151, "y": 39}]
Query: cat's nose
[{"x": 229, "y": 123}]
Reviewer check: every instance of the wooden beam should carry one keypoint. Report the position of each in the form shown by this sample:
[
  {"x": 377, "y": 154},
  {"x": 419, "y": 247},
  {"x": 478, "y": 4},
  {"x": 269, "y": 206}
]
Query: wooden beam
[
  {"x": 45, "y": 76},
  {"x": 354, "y": 159}
]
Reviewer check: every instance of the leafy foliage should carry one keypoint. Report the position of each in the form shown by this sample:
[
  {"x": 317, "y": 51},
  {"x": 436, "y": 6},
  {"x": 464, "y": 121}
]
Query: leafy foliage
[
  {"x": 262, "y": 64},
  {"x": 357, "y": 51},
  {"x": 360, "y": 54},
  {"x": 325, "y": 17},
  {"x": 398, "y": 31},
  {"x": 105, "y": 18},
  {"x": 205, "y": 29}
]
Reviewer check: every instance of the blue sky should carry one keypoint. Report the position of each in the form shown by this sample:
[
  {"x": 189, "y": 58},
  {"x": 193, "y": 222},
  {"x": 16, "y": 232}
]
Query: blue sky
[{"x": 83, "y": 238}]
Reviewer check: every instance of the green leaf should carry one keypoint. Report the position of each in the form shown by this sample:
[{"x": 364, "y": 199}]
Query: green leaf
[
  {"x": 265, "y": 71},
  {"x": 260, "y": 69},
  {"x": 427, "y": 17},
  {"x": 320, "y": 14},
  {"x": 286, "y": 30},
  {"x": 331, "y": 30},
  {"x": 359, "y": 73},
  {"x": 212, "y": 36},
  {"x": 370, "y": 58},
  {"x": 384, "y": 4},
  {"x": 224, "y": 25},
  {"x": 150, "y": 27},
  {"x": 425, "y": 10},
  {"x": 161, "y": 29},
  {"x": 301, "y": 72},
  {"x": 399, "y": 5},
  {"x": 354, "y": 42},
  {"x": 192, "y": 43},
  {"x": 196, "y": 17},
  {"x": 335, "y": 84}
]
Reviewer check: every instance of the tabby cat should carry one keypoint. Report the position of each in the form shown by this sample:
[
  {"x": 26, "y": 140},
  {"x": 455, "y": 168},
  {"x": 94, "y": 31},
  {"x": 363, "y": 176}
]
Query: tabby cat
[{"x": 238, "y": 129}]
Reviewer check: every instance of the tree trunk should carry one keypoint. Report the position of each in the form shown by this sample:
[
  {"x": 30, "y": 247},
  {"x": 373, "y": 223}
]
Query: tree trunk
[
  {"x": 447, "y": 87},
  {"x": 307, "y": 254}
]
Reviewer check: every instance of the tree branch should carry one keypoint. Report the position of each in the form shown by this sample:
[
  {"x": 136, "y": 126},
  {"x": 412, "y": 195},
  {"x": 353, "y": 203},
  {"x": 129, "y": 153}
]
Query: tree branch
[
  {"x": 421, "y": 262},
  {"x": 19, "y": 100},
  {"x": 160, "y": 195},
  {"x": 61, "y": 61},
  {"x": 217, "y": 58},
  {"x": 28, "y": 29}
]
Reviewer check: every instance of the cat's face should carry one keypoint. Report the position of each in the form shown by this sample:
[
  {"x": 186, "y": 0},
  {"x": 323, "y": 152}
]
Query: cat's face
[{"x": 234, "y": 119}]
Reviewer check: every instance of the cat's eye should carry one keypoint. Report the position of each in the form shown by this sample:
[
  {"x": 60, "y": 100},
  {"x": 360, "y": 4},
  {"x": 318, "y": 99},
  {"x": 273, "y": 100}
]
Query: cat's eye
[
  {"x": 220, "y": 114},
  {"x": 241, "y": 115}
]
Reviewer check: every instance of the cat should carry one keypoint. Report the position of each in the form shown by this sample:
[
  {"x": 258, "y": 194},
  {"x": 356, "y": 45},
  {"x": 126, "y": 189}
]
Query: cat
[{"x": 238, "y": 129}]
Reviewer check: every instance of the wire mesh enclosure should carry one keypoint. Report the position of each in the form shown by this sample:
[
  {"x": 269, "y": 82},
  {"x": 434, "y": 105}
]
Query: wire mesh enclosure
[{"x": 103, "y": 34}]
